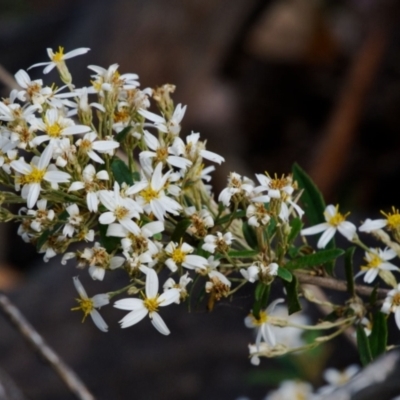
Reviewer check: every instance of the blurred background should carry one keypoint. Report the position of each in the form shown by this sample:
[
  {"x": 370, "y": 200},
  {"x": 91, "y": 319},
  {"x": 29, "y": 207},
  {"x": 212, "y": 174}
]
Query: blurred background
[{"x": 268, "y": 83}]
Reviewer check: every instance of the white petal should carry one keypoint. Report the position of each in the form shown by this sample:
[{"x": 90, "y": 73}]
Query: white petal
[
  {"x": 159, "y": 324},
  {"x": 107, "y": 218},
  {"x": 100, "y": 300},
  {"x": 79, "y": 287},
  {"x": 129, "y": 304},
  {"x": 372, "y": 225},
  {"x": 347, "y": 229},
  {"x": 168, "y": 297},
  {"x": 315, "y": 229},
  {"x": 33, "y": 194},
  {"x": 151, "y": 283},
  {"x": 326, "y": 237},
  {"x": 133, "y": 317},
  {"x": 99, "y": 321},
  {"x": 57, "y": 177}
]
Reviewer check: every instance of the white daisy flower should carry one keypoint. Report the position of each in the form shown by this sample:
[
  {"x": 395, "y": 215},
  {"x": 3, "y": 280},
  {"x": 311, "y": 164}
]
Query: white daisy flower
[
  {"x": 55, "y": 125},
  {"x": 74, "y": 220},
  {"x": 392, "y": 222},
  {"x": 391, "y": 304},
  {"x": 172, "y": 126},
  {"x": 149, "y": 305},
  {"x": 180, "y": 254},
  {"x": 58, "y": 58},
  {"x": 184, "y": 280},
  {"x": 88, "y": 144},
  {"x": 236, "y": 186},
  {"x": 150, "y": 194},
  {"x": 32, "y": 175},
  {"x": 121, "y": 209},
  {"x": 91, "y": 183},
  {"x": 89, "y": 305},
  {"x": 162, "y": 153},
  {"x": 336, "y": 378},
  {"x": 220, "y": 242},
  {"x": 259, "y": 270},
  {"x": 262, "y": 324},
  {"x": 41, "y": 215},
  {"x": 377, "y": 261},
  {"x": 335, "y": 221}
]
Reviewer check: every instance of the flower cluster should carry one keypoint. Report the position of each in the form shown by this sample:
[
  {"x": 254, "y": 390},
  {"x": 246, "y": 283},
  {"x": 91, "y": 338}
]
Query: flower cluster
[{"x": 104, "y": 166}]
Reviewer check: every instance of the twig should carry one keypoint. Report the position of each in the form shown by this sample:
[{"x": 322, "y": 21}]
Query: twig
[
  {"x": 335, "y": 284},
  {"x": 68, "y": 376}
]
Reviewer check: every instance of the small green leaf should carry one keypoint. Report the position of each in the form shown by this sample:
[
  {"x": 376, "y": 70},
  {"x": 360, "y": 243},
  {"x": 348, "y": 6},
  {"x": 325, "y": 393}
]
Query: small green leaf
[
  {"x": 295, "y": 225},
  {"x": 180, "y": 229},
  {"x": 122, "y": 135},
  {"x": 110, "y": 243},
  {"x": 136, "y": 176},
  {"x": 311, "y": 199},
  {"x": 237, "y": 214},
  {"x": 121, "y": 172},
  {"x": 250, "y": 235},
  {"x": 314, "y": 260},
  {"x": 378, "y": 337},
  {"x": 348, "y": 265},
  {"x": 363, "y": 346},
  {"x": 292, "y": 293},
  {"x": 42, "y": 239},
  {"x": 243, "y": 254},
  {"x": 261, "y": 295},
  {"x": 271, "y": 227},
  {"x": 285, "y": 274}
]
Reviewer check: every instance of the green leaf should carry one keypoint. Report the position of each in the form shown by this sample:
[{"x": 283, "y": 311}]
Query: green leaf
[
  {"x": 285, "y": 274},
  {"x": 348, "y": 265},
  {"x": 237, "y": 214},
  {"x": 296, "y": 226},
  {"x": 271, "y": 227},
  {"x": 180, "y": 229},
  {"x": 313, "y": 205},
  {"x": 243, "y": 254},
  {"x": 136, "y": 176},
  {"x": 314, "y": 260},
  {"x": 363, "y": 346},
  {"x": 121, "y": 172},
  {"x": 378, "y": 337},
  {"x": 250, "y": 235},
  {"x": 122, "y": 135},
  {"x": 110, "y": 243},
  {"x": 42, "y": 239},
  {"x": 292, "y": 293},
  {"x": 261, "y": 298},
  {"x": 311, "y": 199}
]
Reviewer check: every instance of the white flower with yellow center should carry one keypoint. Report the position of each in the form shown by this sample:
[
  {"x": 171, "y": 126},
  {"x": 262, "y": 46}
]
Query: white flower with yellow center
[
  {"x": 180, "y": 255},
  {"x": 391, "y": 221},
  {"x": 91, "y": 183},
  {"x": 162, "y": 124},
  {"x": 150, "y": 194},
  {"x": 33, "y": 175},
  {"x": 41, "y": 216},
  {"x": 89, "y": 305},
  {"x": 392, "y": 304},
  {"x": 335, "y": 221},
  {"x": 220, "y": 242},
  {"x": 184, "y": 280},
  {"x": 162, "y": 153},
  {"x": 377, "y": 261},
  {"x": 55, "y": 125},
  {"x": 236, "y": 186},
  {"x": 58, "y": 58},
  {"x": 121, "y": 209},
  {"x": 149, "y": 305},
  {"x": 88, "y": 144},
  {"x": 262, "y": 324},
  {"x": 74, "y": 220},
  {"x": 336, "y": 378}
]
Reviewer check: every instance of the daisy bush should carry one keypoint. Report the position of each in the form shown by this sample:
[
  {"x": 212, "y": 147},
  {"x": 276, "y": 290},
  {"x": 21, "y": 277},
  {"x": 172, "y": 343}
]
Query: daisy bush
[{"x": 104, "y": 178}]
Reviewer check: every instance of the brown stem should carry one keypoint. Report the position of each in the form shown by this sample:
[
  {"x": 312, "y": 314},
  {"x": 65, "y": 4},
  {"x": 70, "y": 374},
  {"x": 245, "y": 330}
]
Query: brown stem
[
  {"x": 335, "y": 284},
  {"x": 66, "y": 374}
]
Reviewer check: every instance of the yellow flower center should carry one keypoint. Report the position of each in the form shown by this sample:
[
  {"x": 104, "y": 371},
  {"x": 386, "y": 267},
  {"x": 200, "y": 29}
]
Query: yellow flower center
[
  {"x": 178, "y": 256},
  {"x": 279, "y": 183},
  {"x": 54, "y": 130},
  {"x": 393, "y": 219},
  {"x": 396, "y": 299},
  {"x": 86, "y": 305},
  {"x": 58, "y": 55},
  {"x": 262, "y": 320},
  {"x": 121, "y": 115},
  {"x": 151, "y": 304},
  {"x": 121, "y": 212},
  {"x": 35, "y": 176},
  {"x": 336, "y": 219},
  {"x": 161, "y": 154},
  {"x": 149, "y": 194},
  {"x": 374, "y": 262}
]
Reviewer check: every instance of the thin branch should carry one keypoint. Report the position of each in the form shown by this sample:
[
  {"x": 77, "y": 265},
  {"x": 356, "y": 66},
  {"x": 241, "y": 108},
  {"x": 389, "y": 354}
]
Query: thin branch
[
  {"x": 66, "y": 374},
  {"x": 335, "y": 284}
]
